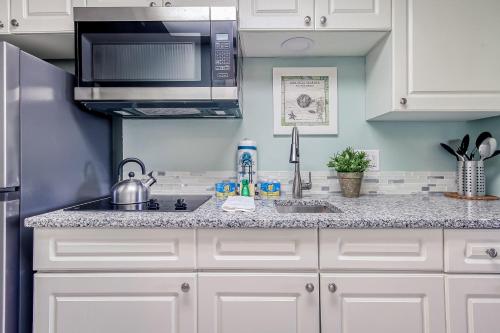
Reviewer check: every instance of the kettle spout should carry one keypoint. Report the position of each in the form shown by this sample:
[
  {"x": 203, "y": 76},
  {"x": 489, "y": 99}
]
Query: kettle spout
[{"x": 151, "y": 181}]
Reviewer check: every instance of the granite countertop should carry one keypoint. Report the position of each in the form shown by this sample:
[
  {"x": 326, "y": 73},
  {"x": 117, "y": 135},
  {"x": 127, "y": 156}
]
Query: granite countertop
[{"x": 371, "y": 211}]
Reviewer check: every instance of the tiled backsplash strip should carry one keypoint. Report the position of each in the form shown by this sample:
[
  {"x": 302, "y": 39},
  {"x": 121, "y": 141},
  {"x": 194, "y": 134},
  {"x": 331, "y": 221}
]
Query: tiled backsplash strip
[{"x": 386, "y": 182}]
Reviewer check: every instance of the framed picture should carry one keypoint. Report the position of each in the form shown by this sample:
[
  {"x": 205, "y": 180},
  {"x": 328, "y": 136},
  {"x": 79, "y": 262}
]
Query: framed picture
[{"x": 306, "y": 98}]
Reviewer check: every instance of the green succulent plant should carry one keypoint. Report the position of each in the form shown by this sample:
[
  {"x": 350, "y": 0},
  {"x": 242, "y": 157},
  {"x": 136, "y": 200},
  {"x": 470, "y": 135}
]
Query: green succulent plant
[{"x": 349, "y": 160}]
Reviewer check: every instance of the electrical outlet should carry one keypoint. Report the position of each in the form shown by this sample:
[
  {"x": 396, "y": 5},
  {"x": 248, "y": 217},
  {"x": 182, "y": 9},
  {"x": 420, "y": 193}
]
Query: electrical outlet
[{"x": 374, "y": 157}]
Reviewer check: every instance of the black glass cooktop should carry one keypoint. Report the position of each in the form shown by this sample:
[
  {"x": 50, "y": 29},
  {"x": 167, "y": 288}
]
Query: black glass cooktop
[{"x": 158, "y": 203}]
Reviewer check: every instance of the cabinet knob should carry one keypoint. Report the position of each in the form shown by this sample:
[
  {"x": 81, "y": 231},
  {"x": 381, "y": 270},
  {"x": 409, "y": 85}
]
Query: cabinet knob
[
  {"x": 168, "y": 4},
  {"x": 307, "y": 19},
  {"x": 403, "y": 101},
  {"x": 153, "y": 4},
  {"x": 492, "y": 253},
  {"x": 185, "y": 287},
  {"x": 14, "y": 22},
  {"x": 332, "y": 287},
  {"x": 310, "y": 287},
  {"x": 1, "y": 25},
  {"x": 322, "y": 19}
]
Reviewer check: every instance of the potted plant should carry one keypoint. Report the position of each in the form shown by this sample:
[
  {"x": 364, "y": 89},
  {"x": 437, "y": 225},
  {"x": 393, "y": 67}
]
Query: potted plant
[{"x": 350, "y": 166}]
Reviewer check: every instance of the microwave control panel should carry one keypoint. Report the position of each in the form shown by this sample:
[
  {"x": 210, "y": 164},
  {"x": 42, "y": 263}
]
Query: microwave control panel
[{"x": 223, "y": 52}]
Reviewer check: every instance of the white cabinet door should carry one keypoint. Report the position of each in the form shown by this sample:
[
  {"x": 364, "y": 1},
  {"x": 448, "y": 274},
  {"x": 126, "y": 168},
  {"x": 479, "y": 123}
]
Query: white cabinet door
[
  {"x": 114, "y": 303},
  {"x": 276, "y": 14},
  {"x": 263, "y": 303},
  {"x": 382, "y": 303},
  {"x": 446, "y": 55},
  {"x": 353, "y": 14},
  {"x": 123, "y": 3},
  {"x": 473, "y": 303},
  {"x": 4, "y": 16},
  {"x": 43, "y": 16}
]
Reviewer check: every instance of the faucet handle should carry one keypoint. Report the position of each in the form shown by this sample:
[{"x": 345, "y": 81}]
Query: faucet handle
[{"x": 308, "y": 185}]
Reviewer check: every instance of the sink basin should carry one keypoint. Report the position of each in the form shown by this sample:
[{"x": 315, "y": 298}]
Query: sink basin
[{"x": 305, "y": 207}]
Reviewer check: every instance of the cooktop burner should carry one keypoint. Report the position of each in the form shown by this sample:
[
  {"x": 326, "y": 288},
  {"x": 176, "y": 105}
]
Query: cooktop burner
[{"x": 159, "y": 203}]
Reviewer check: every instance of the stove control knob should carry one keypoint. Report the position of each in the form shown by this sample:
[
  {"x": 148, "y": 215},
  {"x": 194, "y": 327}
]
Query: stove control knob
[
  {"x": 180, "y": 205},
  {"x": 153, "y": 204}
]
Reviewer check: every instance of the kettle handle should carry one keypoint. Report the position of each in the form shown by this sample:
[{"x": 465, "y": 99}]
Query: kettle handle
[{"x": 130, "y": 160}]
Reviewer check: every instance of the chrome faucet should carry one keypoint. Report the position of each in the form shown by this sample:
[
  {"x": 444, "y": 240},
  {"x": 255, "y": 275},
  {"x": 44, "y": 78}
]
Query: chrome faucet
[{"x": 298, "y": 186}]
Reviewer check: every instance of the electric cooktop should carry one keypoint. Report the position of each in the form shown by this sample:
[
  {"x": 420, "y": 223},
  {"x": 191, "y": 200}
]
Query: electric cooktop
[{"x": 159, "y": 203}]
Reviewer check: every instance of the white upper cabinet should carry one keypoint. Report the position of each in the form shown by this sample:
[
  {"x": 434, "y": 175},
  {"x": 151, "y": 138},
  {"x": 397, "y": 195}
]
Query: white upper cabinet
[
  {"x": 124, "y": 3},
  {"x": 159, "y": 3},
  {"x": 28, "y": 16},
  {"x": 300, "y": 28},
  {"x": 4, "y": 16},
  {"x": 353, "y": 14},
  {"x": 440, "y": 62},
  {"x": 276, "y": 14},
  {"x": 382, "y": 303}
]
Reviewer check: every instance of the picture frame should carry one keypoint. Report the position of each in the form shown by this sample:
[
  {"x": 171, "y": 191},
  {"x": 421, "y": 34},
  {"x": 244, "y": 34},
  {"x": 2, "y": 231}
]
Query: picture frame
[{"x": 305, "y": 97}]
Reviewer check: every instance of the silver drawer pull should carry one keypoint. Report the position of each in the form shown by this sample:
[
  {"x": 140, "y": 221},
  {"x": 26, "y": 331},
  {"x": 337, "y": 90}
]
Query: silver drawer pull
[
  {"x": 310, "y": 287},
  {"x": 332, "y": 287},
  {"x": 492, "y": 253},
  {"x": 185, "y": 287}
]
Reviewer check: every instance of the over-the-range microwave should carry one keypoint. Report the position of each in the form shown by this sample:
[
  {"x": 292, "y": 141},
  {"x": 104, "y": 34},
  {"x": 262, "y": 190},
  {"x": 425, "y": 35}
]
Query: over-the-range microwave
[{"x": 173, "y": 62}]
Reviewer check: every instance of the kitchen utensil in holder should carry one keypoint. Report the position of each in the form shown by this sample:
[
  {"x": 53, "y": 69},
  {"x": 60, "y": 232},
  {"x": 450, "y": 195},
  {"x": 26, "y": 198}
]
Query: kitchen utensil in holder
[{"x": 471, "y": 180}]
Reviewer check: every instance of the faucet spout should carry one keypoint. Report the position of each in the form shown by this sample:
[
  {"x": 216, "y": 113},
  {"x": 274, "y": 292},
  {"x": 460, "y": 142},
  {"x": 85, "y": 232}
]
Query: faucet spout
[
  {"x": 297, "y": 186},
  {"x": 294, "y": 148}
]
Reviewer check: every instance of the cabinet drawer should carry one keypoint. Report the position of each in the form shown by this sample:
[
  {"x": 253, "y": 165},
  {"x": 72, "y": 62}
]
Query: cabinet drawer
[
  {"x": 258, "y": 249},
  {"x": 117, "y": 249},
  {"x": 387, "y": 250},
  {"x": 472, "y": 251}
]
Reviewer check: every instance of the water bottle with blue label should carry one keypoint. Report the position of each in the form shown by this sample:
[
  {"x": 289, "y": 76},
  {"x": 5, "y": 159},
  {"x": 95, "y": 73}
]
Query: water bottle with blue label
[{"x": 247, "y": 161}]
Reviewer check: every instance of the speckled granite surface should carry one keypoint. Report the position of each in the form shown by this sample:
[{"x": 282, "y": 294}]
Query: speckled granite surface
[{"x": 374, "y": 211}]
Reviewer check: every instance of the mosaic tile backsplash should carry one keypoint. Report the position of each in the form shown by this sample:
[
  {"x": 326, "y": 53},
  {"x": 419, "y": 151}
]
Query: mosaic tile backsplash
[{"x": 386, "y": 182}]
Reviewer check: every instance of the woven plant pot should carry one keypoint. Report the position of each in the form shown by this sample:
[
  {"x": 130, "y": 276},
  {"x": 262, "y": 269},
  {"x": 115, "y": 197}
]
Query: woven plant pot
[{"x": 350, "y": 183}]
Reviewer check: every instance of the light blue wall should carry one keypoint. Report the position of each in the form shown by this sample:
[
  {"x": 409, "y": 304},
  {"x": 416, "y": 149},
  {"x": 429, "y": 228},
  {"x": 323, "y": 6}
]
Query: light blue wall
[
  {"x": 492, "y": 166},
  {"x": 198, "y": 145}
]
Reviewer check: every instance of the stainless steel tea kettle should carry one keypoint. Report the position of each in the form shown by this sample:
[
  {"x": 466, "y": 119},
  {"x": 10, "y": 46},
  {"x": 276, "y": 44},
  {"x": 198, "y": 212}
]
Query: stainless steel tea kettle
[{"x": 131, "y": 191}]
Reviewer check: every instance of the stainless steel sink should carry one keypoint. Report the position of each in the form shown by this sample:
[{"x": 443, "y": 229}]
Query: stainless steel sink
[{"x": 305, "y": 207}]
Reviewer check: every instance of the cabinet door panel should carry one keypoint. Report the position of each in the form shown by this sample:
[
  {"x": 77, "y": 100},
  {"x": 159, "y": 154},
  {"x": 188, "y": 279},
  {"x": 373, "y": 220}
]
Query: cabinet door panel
[
  {"x": 43, "y": 16},
  {"x": 353, "y": 14},
  {"x": 264, "y": 303},
  {"x": 114, "y": 303},
  {"x": 472, "y": 303},
  {"x": 382, "y": 303},
  {"x": 452, "y": 66},
  {"x": 276, "y": 14}
]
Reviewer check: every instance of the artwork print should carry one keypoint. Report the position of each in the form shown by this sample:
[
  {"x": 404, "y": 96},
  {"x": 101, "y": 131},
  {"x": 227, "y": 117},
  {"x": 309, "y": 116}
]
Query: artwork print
[{"x": 306, "y": 98}]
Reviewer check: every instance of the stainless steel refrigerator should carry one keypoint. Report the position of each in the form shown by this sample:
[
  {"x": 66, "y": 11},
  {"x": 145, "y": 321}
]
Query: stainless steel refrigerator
[{"x": 51, "y": 155}]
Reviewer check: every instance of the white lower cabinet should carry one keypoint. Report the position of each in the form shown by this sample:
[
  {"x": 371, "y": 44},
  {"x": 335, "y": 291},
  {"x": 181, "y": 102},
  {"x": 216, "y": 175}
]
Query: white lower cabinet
[
  {"x": 115, "y": 303},
  {"x": 265, "y": 281},
  {"x": 258, "y": 302},
  {"x": 382, "y": 303},
  {"x": 473, "y": 303}
]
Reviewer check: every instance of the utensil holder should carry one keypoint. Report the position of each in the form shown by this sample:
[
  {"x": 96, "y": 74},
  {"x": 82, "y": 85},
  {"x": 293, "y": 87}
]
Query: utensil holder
[{"x": 471, "y": 180}]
